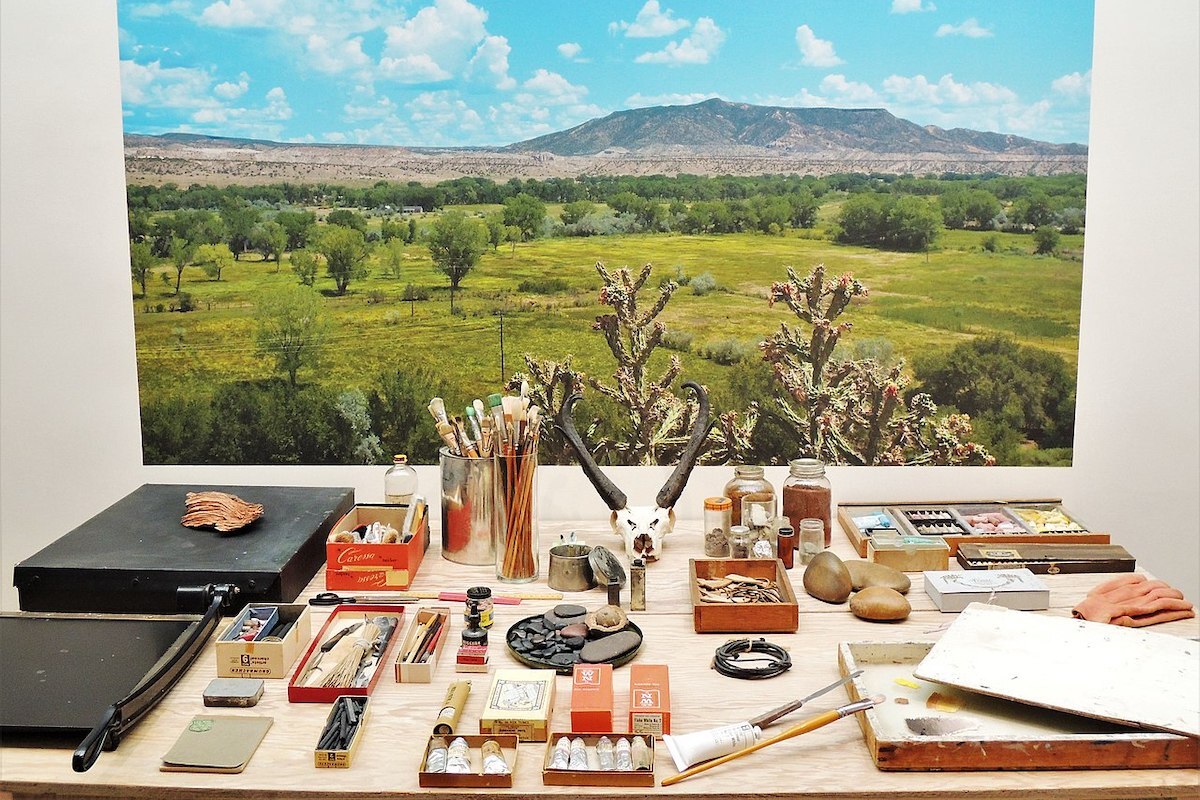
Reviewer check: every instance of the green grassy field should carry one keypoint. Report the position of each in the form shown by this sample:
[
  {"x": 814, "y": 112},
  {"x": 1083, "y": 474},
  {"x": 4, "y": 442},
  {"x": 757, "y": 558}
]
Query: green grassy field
[{"x": 917, "y": 302}]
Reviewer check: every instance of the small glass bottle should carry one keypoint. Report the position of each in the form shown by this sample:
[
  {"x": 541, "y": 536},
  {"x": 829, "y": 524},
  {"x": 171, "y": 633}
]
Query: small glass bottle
[
  {"x": 399, "y": 482},
  {"x": 748, "y": 481},
  {"x": 718, "y": 517},
  {"x": 807, "y": 495},
  {"x": 739, "y": 541},
  {"x": 787, "y": 546},
  {"x": 812, "y": 539},
  {"x": 481, "y": 598}
]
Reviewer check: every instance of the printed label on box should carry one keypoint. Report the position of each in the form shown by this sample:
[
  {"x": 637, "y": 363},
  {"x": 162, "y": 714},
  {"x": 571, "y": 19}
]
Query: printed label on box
[
  {"x": 646, "y": 698},
  {"x": 587, "y": 676},
  {"x": 648, "y": 724}
]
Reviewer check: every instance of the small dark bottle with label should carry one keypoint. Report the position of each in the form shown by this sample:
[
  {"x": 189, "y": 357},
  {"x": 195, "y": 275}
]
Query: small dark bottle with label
[{"x": 787, "y": 546}]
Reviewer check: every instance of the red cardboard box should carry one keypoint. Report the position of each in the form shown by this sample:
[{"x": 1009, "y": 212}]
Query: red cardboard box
[
  {"x": 339, "y": 618},
  {"x": 359, "y": 567},
  {"x": 649, "y": 699},
  {"x": 592, "y": 698}
]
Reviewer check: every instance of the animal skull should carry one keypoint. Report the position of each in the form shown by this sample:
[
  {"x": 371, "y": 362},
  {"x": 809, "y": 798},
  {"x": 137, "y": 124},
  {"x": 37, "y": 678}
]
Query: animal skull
[{"x": 642, "y": 527}]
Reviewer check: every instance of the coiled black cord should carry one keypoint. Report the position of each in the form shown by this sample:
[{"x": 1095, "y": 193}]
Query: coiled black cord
[{"x": 738, "y": 659}]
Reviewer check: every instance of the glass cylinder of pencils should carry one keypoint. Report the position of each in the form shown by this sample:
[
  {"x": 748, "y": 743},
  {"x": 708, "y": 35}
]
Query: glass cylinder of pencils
[{"x": 516, "y": 499}]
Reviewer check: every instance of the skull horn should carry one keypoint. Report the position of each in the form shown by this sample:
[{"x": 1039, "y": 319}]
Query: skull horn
[
  {"x": 613, "y": 497},
  {"x": 671, "y": 490}
]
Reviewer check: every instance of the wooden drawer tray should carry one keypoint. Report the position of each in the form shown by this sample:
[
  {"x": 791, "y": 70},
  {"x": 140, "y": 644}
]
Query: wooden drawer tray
[
  {"x": 986, "y": 733},
  {"x": 749, "y": 617},
  {"x": 955, "y": 529}
]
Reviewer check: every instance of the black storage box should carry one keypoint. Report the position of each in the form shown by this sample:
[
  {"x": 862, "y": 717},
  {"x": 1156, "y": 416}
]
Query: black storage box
[{"x": 134, "y": 555}]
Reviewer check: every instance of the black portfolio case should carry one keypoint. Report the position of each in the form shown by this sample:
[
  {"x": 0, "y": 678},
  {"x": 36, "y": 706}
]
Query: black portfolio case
[{"x": 134, "y": 555}]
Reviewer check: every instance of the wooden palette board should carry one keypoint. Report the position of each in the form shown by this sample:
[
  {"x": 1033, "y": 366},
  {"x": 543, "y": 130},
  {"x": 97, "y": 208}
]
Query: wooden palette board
[
  {"x": 986, "y": 733},
  {"x": 1106, "y": 672}
]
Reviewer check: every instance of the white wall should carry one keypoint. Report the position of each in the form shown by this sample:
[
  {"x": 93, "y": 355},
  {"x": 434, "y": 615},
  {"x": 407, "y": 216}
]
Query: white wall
[{"x": 69, "y": 441}]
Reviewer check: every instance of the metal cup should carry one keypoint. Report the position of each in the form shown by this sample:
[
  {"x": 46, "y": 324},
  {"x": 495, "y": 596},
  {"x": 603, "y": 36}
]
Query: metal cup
[
  {"x": 570, "y": 570},
  {"x": 470, "y": 517}
]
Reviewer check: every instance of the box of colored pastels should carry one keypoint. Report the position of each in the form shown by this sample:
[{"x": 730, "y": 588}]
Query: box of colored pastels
[
  {"x": 272, "y": 650},
  {"x": 471, "y": 762},
  {"x": 598, "y": 759},
  {"x": 960, "y": 522}
]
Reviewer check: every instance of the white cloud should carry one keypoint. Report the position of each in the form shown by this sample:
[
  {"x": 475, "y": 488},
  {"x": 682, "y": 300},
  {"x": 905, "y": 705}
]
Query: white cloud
[
  {"x": 698, "y": 47},
  {"x": 231, "y": 91},
  {"x": 334, "y": 55},
  {"x": 946, "y": 91},
  {"x": 442, "y": 117},
  {"x": 569, "y": 50},
  {"x": 1074, "y": 86},
  {"x": 364, "y": 105},
  {"x": 490, "y": 63},
  {"x": 847, "y": 91},
  {"x": 277, "y": 105},
  {"x": 640, "y": 100},
  {"x": 969, "y": 28},
  {"x": 651, "y": 22},
  {"x": 550, "y": 88},
  {"x": 815, "y": 52},
  {"x": 242, "y": 13},
  {"x": 911, "y": 6},
  {"x": 151, "y": 10},
  {"x": 436, "y": 44},
  {"x": 166, "y": 87}
]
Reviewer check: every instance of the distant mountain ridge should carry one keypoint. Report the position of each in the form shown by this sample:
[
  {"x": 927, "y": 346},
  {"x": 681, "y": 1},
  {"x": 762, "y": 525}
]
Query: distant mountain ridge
[
  {"x": 718, "y": 126},
  {"x": 714, "y": 137}
]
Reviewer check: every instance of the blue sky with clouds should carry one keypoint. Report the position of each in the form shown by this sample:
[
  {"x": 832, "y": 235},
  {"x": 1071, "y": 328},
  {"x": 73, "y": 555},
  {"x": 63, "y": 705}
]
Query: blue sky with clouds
[{"x": 486, "y": 72}]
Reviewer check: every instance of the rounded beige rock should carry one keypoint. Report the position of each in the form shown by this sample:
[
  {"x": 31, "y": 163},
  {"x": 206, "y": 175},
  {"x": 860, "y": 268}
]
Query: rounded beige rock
[
  {"x": 864, "y": 574},
  {"x": 826, "y": 578},
  {"x": 880, "y": 604}
]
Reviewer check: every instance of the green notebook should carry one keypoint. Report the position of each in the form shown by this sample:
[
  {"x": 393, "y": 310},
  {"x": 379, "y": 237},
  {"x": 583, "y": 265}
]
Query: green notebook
[{"x": 216, "y": 744}]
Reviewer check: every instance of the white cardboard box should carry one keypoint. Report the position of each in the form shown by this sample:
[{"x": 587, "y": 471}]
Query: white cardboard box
[{"x": 1020, "y": 589}]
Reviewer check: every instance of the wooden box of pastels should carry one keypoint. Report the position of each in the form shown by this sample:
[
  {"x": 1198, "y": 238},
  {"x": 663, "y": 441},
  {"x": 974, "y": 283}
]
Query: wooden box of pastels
[
  {"x": 377, "y": 547},
  {"x": 473, "y": 762},
  {"x": 978, "y": 522},
  {"x": 598, "y": 759}
]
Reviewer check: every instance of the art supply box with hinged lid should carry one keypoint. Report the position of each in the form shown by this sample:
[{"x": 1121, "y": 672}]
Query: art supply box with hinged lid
[{"x": 134, "y": 555}]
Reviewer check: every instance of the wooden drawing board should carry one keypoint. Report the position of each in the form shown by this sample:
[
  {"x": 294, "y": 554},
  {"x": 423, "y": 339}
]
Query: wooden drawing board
[{"x": 1107, "y": 672}]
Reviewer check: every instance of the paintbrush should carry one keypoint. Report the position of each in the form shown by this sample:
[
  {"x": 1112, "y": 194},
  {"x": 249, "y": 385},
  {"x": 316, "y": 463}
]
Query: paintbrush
[
  {"x": 446, "y": 431},
  {"x": 466, "y": 445},
  {"x": 810, "y": 724},
  {"x": 774, "y": 715},
  {"x": 437, "y": 407},
  {"x": 474, "y": 423}
]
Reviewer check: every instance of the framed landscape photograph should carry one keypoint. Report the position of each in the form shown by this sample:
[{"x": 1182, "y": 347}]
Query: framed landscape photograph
[{"x": 859, "y": 226}]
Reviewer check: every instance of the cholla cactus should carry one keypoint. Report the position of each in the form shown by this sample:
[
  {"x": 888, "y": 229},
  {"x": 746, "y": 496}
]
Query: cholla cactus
[
  {"x": 550, "y": 384},
  {"x": 659, "y": 421},
  {"x": 853, "y": 412}
]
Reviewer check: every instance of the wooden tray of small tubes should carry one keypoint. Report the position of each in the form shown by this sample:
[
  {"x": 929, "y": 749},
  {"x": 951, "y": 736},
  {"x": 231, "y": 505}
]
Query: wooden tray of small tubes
[{"x": 959, "y": 531}]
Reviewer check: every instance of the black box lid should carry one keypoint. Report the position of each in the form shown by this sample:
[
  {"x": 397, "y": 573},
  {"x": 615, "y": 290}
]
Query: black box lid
[{"x": 132, "y": 556}]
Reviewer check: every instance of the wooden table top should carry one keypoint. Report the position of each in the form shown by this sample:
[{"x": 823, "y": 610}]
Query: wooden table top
[{"x": 830, "y": 762}]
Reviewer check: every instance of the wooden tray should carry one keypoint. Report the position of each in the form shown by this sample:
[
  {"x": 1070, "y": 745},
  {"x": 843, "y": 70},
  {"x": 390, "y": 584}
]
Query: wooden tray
[
  {"x": 473, "y": 780},
  {"x": 588, "y": 777},
  {"x": 859, "y": 539},
  {"x": 1002, "y": 734},
  {"x": 749, "y": 617}
]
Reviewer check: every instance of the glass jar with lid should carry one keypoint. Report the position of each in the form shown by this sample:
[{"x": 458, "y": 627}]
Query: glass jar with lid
[
  {"x": 718, "y": 517},
  {"x": 807, "y": 495},
  {"x": 739, "y": 542},
  {"x": 748, "y": 482},
  {"x": 759, "y": 517}
]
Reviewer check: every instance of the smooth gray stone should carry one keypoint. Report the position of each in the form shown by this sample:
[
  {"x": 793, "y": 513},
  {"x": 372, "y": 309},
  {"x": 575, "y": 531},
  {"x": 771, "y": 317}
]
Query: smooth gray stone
[{"x": 610, "y": 647}]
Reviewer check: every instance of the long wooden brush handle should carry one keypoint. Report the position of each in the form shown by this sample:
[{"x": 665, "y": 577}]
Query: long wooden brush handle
[{"x": 810, "y": 724}]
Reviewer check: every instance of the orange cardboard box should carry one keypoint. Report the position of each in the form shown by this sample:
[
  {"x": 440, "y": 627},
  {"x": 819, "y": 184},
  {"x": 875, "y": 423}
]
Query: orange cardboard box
[
  {"x": 592, "y": 698},
  {"x": 649, "y": 699},
  {"x": 359, "y": 567}
]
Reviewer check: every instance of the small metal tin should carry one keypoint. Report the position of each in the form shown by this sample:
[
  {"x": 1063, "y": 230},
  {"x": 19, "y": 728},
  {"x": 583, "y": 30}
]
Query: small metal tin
[{"x": 570, "y": 568}]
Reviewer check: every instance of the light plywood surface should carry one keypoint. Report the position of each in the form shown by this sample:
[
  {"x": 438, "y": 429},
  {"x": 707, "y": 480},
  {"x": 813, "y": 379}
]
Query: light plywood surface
[
  {"x": 1103, "y": 671},
  {"x": 830, "y": 762}
]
